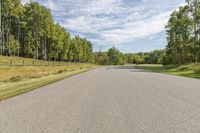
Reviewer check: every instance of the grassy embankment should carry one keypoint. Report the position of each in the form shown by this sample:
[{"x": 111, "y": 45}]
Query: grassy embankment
[
  {"x": 190, "y": 70},
  {"x": 26, "y": 74}
]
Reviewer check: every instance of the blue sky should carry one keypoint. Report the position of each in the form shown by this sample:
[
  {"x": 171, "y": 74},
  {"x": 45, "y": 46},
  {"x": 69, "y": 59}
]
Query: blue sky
[{"x": 129, "y": 25}]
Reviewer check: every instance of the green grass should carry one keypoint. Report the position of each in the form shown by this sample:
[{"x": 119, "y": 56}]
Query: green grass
[
  {"x": 189, "y": 70},
  {"x": 16, "y": 80}
]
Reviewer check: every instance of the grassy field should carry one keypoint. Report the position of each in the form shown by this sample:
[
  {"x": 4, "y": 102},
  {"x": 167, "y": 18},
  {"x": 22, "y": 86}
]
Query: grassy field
[
  {"x": 190, "y": 70},
  {"x": 16, "y": 80},
  {"x": 17, "y": 61}
]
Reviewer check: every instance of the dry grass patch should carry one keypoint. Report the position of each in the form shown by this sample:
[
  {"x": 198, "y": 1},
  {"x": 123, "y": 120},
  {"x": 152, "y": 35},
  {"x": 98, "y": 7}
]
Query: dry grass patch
[
  {"x": 8, "y": 73},
  {"x": 15, "y": 81}
]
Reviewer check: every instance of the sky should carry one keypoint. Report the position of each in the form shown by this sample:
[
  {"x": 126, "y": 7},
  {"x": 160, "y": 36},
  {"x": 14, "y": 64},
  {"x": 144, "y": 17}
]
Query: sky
[{"x": 129, "y": 25}]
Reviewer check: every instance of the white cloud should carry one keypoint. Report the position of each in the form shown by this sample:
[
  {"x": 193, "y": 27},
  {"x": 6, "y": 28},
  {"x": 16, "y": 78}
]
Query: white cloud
[
  {"x": 106, "y": 22},
  {"x": 138, "y": 29}
]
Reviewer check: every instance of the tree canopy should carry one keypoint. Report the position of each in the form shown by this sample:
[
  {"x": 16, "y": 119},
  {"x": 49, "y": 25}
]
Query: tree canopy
[
  {"x": 30, "y": 31},
  {"x": 183, "y": 35},
  {"x": 112, "y": 57}
]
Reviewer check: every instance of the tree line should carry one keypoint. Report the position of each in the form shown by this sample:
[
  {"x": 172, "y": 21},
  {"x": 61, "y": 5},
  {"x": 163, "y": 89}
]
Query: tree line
[
  {"x": 153, "y": 57},
  {"x": 112, "y": 57},
  {"x": 183, "y": 35},
  {"x": 183, "y": 39},
  {"x": 30, "y": 31}
]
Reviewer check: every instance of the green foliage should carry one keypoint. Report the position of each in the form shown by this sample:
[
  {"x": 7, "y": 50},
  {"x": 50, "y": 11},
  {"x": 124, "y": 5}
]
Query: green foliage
[
  {"x": 154, "y": 57},
  {"x": 101, "y": 58},
  {"x": 183, "y": 30},
  {"x": 112, "y": 57},
  {"x": 115, "y": 57},
  {"x": 29, "y": 31},
  {"x": 13, "y": 45}
]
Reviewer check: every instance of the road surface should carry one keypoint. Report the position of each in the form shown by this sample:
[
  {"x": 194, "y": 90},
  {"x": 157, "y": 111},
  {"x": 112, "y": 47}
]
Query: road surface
[{"x": 115, "y": 100}]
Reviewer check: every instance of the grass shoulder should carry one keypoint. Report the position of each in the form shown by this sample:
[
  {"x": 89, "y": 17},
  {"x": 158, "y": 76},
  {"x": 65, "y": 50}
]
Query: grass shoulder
[
  {"x": 18, "y": 79},
  {"x": 188, "y": 70},
  {"x": 18, "y": 85}
]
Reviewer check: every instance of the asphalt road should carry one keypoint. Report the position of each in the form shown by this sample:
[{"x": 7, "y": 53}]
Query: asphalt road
[{"x": 115, "y": 100}]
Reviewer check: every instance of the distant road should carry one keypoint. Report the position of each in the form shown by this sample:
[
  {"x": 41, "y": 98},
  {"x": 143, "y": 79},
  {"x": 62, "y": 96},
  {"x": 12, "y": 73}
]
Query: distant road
[{"x": 114, "y": 100}]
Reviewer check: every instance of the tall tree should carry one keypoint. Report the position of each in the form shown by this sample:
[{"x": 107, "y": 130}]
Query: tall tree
[
  {"x": 180, "y": 37},
  {"x": 30, "y": 31}
]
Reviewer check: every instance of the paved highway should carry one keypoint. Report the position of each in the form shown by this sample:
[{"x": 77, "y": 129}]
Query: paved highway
[{"x": 107, "y": 100}]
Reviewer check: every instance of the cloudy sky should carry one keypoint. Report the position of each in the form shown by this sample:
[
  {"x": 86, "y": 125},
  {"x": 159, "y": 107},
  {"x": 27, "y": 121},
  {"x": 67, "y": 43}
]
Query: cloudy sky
[{"x": 130, "y": 25}]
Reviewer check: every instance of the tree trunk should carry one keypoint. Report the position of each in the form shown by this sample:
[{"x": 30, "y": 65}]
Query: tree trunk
[
  {"x": 18, "y": 37},
  {"x": 1, "y": 45},
  {"x": 45, "y": 47},
  {"x": 3, "y": 40}
]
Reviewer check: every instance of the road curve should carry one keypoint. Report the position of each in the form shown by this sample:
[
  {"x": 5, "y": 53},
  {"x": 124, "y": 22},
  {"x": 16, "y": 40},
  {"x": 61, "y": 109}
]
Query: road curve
[{"x": 114, "y": 100}]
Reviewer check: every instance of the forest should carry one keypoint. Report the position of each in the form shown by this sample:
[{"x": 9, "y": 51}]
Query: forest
[
  {"x": 154, "y": 57},
  {"x": 183, "y": 35},
  {"x": 183, "y": 39},
  {"x": 30, "y": 31},
  {"x": 115, "y": 57},
  {"x": 112, "y": 57}
]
